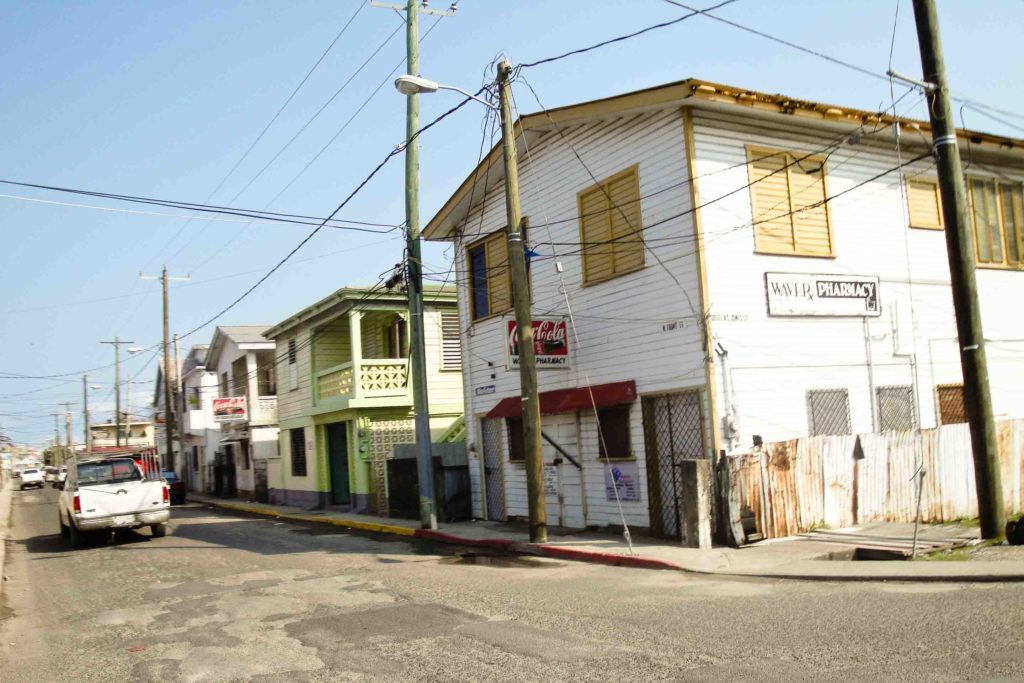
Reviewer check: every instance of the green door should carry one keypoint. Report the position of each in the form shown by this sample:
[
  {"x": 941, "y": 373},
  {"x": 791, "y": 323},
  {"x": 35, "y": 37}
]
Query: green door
[{"x": 337, "y": 458}]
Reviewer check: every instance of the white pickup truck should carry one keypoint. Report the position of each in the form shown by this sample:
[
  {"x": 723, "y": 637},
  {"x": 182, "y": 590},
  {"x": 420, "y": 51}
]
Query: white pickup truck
[{"x": 111, "y": 493}]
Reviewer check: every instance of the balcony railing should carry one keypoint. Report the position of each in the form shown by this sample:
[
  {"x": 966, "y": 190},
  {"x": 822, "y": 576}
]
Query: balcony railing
[{"x": 371, "y": 378}]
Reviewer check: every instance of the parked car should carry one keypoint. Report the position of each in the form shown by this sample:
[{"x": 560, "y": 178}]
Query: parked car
[
  {"x": 50, "y": 475},
  {"x": 62, "y": 475},
  {"x": 177, "y": 487},
  {"x": 29, "y": 477},
  {"x": 111, "y": 493}
]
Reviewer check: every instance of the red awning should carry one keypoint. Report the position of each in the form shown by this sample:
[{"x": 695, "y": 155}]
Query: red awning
[{"x": 571, "y": 400}]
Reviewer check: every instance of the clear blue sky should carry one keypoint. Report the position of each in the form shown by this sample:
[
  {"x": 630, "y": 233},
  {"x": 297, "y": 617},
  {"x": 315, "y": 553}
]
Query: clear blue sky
[{"x": 162, "y": 99}]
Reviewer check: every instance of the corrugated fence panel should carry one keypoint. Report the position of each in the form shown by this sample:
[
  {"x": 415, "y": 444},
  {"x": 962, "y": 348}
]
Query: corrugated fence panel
[
  {"x": 872, "y": 475},
  {"x": 837, "y": 470},
  {"x": 808, "y": 485}
]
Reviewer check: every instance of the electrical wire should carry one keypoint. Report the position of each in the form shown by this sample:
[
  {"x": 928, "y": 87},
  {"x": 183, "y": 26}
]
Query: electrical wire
[
  {"x": 234, "y": 238},
  {"x": 359, "y": 187},
  {"x": 621, "y": 38},
  {"x": 299, "y": 132}
]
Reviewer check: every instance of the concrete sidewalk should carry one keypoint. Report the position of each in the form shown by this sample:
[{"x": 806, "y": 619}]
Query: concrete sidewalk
[{"x": 793, "y": 558}]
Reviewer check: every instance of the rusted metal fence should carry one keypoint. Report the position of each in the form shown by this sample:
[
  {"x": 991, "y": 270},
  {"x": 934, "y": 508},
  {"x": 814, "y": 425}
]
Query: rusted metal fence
[{"x": 837, "y": 481}]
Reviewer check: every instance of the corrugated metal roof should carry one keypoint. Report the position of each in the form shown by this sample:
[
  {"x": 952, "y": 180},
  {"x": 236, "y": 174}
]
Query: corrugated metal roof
[{"x": 245, "y": 334}]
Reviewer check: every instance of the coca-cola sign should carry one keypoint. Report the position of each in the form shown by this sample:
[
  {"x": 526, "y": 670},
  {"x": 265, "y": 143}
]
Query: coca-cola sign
[{"x": 550, "y": 344}]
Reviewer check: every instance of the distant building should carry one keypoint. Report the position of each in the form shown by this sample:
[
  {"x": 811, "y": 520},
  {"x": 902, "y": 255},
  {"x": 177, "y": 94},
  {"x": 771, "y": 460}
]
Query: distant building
[
  {"x": 134, "y": 432},
  {"x": 244, "y": 407}
]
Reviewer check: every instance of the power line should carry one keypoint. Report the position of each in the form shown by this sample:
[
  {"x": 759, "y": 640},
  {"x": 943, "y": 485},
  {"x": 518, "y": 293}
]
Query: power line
[
  {"x": 834, "y": 60},
  {"x": 233, "y": 240},
  {"x": 271, "y": 122},
  {"x": 619, "y": 39},
  {"x": 268, "y": 216},
  {"x": 300, "y": 131},
  {"x": 398, "y": 150}
]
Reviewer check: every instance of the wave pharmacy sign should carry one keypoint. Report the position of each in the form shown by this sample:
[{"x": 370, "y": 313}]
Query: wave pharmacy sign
[{"x": 803, "y": 294}]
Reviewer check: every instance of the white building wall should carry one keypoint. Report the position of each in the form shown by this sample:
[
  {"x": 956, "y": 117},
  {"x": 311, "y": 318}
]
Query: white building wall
[
  {"x": 620, "y": 323},
  {"x": 775, "y": 360}
]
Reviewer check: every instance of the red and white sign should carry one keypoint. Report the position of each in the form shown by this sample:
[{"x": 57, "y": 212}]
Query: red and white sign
[
  {"x": 230, "y": 409},
  {"x": 550, "y": 344}
]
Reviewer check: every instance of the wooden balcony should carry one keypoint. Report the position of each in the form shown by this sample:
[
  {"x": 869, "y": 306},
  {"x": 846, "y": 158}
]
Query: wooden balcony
[{"x": 372, "y": 382}]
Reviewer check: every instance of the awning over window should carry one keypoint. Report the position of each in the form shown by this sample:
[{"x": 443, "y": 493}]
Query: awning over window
[{"x": 571, "y": 400}]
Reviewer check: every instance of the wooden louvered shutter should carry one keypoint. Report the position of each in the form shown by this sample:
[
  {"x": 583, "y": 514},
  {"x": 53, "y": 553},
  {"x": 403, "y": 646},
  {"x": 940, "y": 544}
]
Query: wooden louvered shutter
[
  {"x": 596, "y": 231},
  {"x": 499, "y": 284},
  {"x": 924, "y": 204},
  {"x": 1012, "y": 201},
  {"x": 810, "y": 216},
  {"x": 626, "y": 223},
  {"x": 769, "y": 191},
  {"x": 986, "y": 221}
]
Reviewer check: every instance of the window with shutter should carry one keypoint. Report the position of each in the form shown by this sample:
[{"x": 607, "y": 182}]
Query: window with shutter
[
  {"x": 924, "y": 204},
  {"x": 611, "y": 227},
  {"x": 997, "y": 211},
  {"x": 451, "y": 342},
  {"x": 788, "y": 196},
  {"x": 293, "y": 365},
  {"x": 489, "y": 276},
  {"x": 297, "y": 438}
]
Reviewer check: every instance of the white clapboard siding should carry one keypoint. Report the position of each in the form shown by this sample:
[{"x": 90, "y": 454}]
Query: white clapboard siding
[
  {"x": 619, "y": 322},
  {"x": 775, "y": 361}
]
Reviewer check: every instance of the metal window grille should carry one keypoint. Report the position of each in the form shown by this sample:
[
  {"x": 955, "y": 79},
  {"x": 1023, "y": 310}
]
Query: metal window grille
[
  {"x": 952, "y": 407},
  {"x": 298, "y": 443},
  {"x": 828, "y": 411},
  {"x": 451, "y": 343},
  {"x": 896, "y": 410}
]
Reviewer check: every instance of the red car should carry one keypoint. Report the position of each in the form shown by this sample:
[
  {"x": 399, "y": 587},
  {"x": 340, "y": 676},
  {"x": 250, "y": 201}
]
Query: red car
[{"x": 176, "y": 486}]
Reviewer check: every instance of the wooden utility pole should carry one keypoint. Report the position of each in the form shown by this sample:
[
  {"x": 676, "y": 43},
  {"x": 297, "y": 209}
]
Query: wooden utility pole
[
  {"x": 414, "y": 286},
  {"x": 524, "y": 319},
  {"x": 960, "y": 251},
  {"x": 168, "y": 406},
  {"x": 117, "y": 343}
]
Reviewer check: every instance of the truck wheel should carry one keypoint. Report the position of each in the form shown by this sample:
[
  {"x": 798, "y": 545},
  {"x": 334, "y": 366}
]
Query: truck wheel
[
  {"x": 63, "y": 526},
  {"x": 75, "y": 537},
  {"x": 158, "y": 530}
]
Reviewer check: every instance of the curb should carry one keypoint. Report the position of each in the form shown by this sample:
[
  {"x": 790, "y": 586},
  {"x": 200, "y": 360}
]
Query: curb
[
  {"x": 6, "y": 501},
  {"x": 350, "y": 524},
  {"x": 615, "y": 560}
]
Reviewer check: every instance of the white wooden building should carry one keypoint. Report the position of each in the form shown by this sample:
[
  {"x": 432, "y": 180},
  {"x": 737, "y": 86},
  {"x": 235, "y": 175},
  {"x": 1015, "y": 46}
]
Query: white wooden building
[{"x": 729, "y": 265}]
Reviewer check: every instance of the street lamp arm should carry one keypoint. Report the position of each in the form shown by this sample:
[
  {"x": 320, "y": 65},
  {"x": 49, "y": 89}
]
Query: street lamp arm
[{"x": 469, "y": 95}]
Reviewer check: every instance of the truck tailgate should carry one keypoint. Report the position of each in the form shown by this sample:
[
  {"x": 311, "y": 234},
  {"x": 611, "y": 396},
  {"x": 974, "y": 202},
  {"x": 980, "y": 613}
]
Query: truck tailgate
[{"x": 107, "y": 500}]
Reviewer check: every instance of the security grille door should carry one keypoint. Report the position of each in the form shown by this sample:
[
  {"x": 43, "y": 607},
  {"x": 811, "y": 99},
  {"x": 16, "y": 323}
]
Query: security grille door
[
  {"x": 673, "y": 431},
  {"x": 494, "y": 483},
  {"x": 828, "y": 411},
  {"x": 896, "y": 409}
]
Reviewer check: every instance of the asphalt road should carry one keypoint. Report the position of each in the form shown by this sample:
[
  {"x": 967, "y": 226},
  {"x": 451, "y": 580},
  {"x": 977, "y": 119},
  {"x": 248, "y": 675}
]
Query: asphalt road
[{"x": 224, "y": 597}]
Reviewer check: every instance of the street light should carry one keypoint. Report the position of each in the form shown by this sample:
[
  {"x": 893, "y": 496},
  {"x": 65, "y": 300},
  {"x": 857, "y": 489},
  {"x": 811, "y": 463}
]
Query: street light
[
  {"x": 415, "y": 85},
  {"x": 529, "y": 393}
]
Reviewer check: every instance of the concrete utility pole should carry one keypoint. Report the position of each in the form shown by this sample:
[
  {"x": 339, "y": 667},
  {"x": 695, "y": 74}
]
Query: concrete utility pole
[
  {"x": 960, "y": 251},
  {"x": 67, "y": 428},
  {"x": 86, "y": 436},
  {"x": 417, "y": 346},
  {"x": 117, "y": 343},
  {"x": 168, "y": 405},
  {"x": 524, "y": 317},
  {"x": 179, "y": 408}
]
